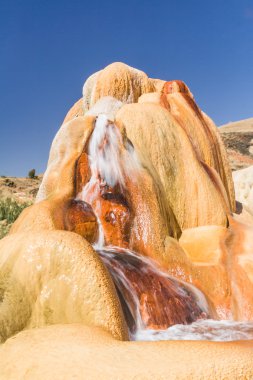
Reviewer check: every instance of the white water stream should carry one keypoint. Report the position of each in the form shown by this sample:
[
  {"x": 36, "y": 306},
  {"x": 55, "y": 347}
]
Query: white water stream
[
  {"x": 204, "y": 329},
  {"x": 111, "y": 162}
]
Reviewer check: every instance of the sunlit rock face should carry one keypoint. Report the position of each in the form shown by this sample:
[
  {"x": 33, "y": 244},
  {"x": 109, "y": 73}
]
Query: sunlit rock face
[
  {"x": 132, "y": 231},
  {"x": 55, "y": 277},
  {"x": 243, "y": 180},
  {"x": 80, "y": 218},
  {"x": 201, "y": 131},
  {"x": 119, "y": 81}
]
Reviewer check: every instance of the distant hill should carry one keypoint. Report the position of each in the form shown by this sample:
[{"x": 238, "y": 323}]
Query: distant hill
[
  {"x": 238, "y": 138},
  {"x": 19, "y": 189}
]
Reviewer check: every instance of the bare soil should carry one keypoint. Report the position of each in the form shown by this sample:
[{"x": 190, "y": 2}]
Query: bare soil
[{"x": 20, "y": 189}]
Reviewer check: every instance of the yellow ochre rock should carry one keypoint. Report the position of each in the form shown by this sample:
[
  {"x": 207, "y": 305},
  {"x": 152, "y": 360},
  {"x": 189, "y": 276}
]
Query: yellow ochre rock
[
  {"x": 119, "y": 81},
  {"x": 55, "y": 277},
  {"x": 164, "y": 146}
]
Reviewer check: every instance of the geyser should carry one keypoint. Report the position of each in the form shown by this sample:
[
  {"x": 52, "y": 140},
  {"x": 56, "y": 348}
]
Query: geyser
[{"x": 133, "y": 236}]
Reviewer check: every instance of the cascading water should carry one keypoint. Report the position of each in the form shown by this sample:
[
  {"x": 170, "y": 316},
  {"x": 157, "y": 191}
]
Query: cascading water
[
  {"x": 151, "y": 299},
  {"x": 156, "y": 306},
  {"x": 110, "y": 163}
]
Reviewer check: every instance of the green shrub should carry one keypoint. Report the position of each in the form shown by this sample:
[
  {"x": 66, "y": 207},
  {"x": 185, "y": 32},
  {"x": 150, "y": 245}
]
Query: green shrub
[
  {"x": 11, "y": 209},
  {"x": 31, "y": 174},
  {"x": 4, "y": 229}
]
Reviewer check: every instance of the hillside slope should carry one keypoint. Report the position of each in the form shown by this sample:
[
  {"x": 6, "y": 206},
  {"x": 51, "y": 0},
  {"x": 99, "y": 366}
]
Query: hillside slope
[
  {"x": 238, "y": 138},
  {"x": 15, "y": 195},
  {"x": 21, "y": 189}
]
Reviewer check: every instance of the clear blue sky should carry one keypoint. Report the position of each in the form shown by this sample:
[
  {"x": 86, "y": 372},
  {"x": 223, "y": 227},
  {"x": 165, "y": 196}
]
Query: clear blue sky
[{"x": 48, "y": 49}]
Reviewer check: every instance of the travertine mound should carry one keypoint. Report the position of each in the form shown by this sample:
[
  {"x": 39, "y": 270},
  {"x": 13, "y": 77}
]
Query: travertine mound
[
  {"x": 175, "y": 206},
  {"x": 183, "y": 181},
  {"x": 190, "y": 138},
  {"x": 81, "y": 352}
]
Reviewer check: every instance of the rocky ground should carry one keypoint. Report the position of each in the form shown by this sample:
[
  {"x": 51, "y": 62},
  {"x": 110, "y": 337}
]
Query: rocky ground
[
  {"x": 20, "y": 189},
  {"x": 237, "y": 136}
]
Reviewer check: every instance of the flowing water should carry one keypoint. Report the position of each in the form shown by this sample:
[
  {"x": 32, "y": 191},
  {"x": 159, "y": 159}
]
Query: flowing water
[
  {"x": 111, "y": 162},
  {"x": 151, "y": 298},
  {"x": 204, "y": 329},
  {"x": 156, "y": 305},
  {"x": 159, "y": 307}
]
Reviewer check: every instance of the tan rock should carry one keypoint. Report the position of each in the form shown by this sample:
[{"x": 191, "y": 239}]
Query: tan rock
[
  {"x": 55, "y": 277},
  {"x": 106, "y": 105},
  {"x": 224, "y": 169},
  {"x": 119, "y": 81},
  {"x": 153, "y": 219},
  {"x": 218, "y": 261},
  {"x": 209, "y": 275},
  {"x": 201, "y": 131},
  {"x": 58, "y": 186},
  {"x": 75, "y": 111},
  {"x": 158, "y": 84},
  {"x": 164, "y": 147},
  {"x": 88, "y": 91},
  {"x": 202, "y": 244},
  {"x": 66, "y": 148},
  {"x": 80, "y": 352}
]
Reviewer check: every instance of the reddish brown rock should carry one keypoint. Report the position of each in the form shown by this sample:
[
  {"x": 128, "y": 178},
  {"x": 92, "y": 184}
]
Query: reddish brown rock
[
  {"x": 112, "y": 209},
  {"x": 82, "y": 172},
  {"x": 80, "y": 218},
  {"x": 175, "y": 86}
]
